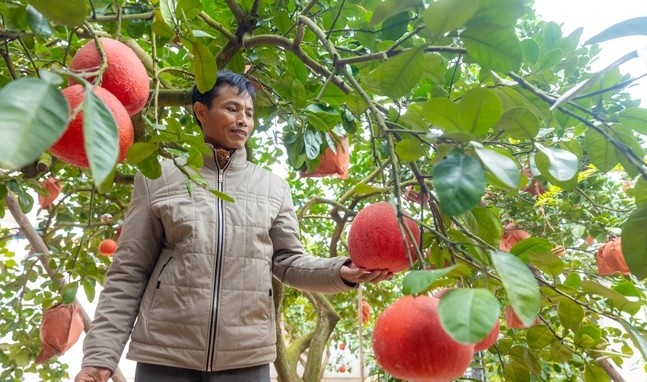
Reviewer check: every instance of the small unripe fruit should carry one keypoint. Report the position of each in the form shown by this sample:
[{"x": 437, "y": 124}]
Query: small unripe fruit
[
  {"x": 410, "y": 343},
  {"x": 125, "y": 76},
  {"x": 107, "y": 247},
  {"x": 375, "y": 240}
]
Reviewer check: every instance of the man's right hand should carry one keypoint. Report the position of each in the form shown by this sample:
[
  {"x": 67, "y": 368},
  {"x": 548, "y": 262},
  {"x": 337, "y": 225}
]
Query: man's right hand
[{"x": 93, "y": 374}]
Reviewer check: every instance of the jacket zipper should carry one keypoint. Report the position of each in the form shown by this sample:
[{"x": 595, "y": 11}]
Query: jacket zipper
[{"x": 220, "y": 234}]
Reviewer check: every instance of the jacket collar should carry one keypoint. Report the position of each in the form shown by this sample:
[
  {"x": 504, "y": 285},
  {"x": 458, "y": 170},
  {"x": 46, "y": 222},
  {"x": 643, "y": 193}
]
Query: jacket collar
[{"x": 237, "y": 160}]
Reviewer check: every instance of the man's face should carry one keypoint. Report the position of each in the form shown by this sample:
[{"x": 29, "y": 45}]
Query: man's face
[{"x": 230, "y": 119}]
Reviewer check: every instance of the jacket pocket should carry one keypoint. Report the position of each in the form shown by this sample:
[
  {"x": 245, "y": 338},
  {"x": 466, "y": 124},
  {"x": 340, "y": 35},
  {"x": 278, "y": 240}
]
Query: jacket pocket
[{"x": 159, "y": 275}]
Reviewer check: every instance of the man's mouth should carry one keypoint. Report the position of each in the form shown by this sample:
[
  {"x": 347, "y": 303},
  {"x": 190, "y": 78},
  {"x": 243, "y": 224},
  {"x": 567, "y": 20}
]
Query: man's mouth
[{"x": 240, "y": 132}]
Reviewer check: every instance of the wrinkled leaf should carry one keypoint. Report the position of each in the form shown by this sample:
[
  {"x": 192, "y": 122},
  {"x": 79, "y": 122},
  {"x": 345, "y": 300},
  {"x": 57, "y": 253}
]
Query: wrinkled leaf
[{"x": 468, "y": 315}]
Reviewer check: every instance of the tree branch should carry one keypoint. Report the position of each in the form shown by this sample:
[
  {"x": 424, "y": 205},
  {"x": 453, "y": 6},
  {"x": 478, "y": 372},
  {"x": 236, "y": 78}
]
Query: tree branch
[
  {"x": 217, "y": 26},
  {"x": 38, "y": 246},
  {"x": 287, "y": 44}
]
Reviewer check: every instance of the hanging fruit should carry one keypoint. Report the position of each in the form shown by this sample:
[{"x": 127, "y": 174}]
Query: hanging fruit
[
  {"x": 610, "y": 259},
  {"x": 331, "y": 163},
  {"x": 512, "y": 234},
  {"x": 53, "y": 188},
  {"x": 60, "y": 328}
]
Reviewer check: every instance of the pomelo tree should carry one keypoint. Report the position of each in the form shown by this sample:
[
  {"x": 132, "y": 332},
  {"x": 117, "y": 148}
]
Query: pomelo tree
[{"x": 475, "y": 119}]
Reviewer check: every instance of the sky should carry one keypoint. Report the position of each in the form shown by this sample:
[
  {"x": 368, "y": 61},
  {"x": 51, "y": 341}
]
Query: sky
[{"x": 594, "y": 16}]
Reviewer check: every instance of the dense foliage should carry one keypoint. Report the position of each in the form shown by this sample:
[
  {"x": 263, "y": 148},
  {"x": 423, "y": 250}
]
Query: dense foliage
[{"x": 491, "y": 116}]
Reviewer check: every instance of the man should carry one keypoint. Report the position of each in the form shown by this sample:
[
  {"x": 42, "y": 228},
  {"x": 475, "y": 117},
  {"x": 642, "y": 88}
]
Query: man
[{"x": 192, "y": 276}]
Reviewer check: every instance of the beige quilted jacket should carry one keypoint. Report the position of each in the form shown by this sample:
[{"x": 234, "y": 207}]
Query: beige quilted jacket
[{"x": 193, "y": 273}]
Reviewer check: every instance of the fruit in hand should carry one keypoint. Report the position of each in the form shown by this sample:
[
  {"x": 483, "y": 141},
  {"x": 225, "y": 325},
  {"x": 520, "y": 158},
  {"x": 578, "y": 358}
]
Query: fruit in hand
[{"x": 375, "y": 240}]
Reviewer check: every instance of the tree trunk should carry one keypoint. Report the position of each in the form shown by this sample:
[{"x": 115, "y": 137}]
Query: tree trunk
[{"x": 38, "y": 246}]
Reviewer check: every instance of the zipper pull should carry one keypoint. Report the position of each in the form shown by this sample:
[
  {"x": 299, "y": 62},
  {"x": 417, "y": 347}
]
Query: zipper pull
[{"x": 220, "y": 176}]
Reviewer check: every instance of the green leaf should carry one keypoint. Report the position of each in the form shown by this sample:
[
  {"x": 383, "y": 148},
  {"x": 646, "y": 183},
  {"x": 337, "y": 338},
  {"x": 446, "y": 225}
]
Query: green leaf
[
  {"x": 409, "y": 150},
  {"x": 39, "y": 24},
  {"x": 398, "y": 75},
  {"x": 539, "y": 336},
  {"x": 447, "y": 15},
  {"x": 631, "y": 145},
  {"x": 89, "y": 288},
  {"x": 493, "y": 47},
  {"x": 459, "y": 181},
  {"x": 388, "y": 8},
  {"x": 600, "y": 151},
  {"x": 634, "y": 242},
  {"x": 557, "y": 165},
  {"x": 69, "y": 12},
  {"x": 100, "y": 135},
  {"x": 520, "y": 285},
  {"x": 204, "y": 67},
  {"x": 395, "y": 26},
  {"x": 635, "y": 119},
  {"x": 34, "y": 116},
  {"x": 417, "y": 282},
  {"x": 594, "y": 373},
  {"x": 150, "y": 167},
  {"x": 188, "y": 9},
  {"x": 68, "y": 293},
  {"x": 547, "y": 262},
  {"x": 523, "y": 357},
  {"x": 222, "y": 195},
  {"x": 480, "y": 109},
  {"x": 468, "y": 315},
  {"x": 490, "y": 228},
  {"x": 519, "y": 123},
  {"x": 630, "y": 27},
  {"x": 570, "y": 314},
  {"x": 313, "y": 141},
  {"x": 443, "y": 114},
  {"x": 640, "y": 191},
  {"x": 500, "y": 163},
  {"x": 637, "y": 336},
  {"x": 617, "y": 300},
  {"x": 167, "y": 9},
  {"x": 140, "y": 151},
  {"x": 588, "y": 336},
  {"x": 498, "y": 12},
  {"x": 363, "y": 189},
  {"x": 195, "y": 158}
]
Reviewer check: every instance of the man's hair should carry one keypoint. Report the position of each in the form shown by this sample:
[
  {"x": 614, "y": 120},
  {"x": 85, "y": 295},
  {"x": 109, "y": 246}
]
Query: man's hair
[{"x": 225, "y": 78}]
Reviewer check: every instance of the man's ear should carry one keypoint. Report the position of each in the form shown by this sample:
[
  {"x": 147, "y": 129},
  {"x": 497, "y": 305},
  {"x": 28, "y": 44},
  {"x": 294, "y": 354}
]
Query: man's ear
[{"x": 200, "y": 111}]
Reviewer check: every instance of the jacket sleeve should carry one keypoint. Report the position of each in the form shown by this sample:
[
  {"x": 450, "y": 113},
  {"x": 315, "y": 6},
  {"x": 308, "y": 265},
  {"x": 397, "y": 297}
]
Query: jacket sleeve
[
  {"x": 137, "y": 251},
  {"x": 292, "y": 265}
]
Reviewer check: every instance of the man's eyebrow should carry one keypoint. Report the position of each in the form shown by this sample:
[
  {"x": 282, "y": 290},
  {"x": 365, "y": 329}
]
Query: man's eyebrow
[{"x": 238, "y": 103}]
